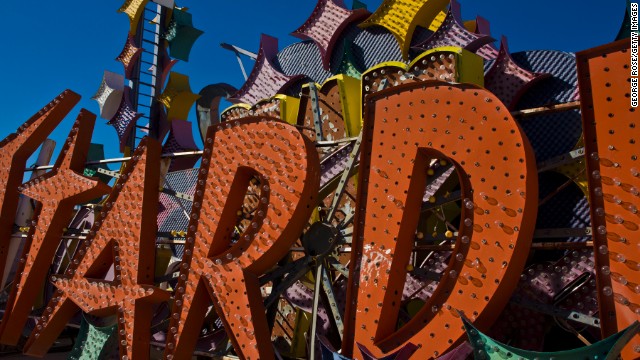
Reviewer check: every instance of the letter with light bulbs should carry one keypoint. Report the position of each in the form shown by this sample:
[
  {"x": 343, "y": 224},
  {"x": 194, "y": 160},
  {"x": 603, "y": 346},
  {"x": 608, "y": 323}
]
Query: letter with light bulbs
[{"x": 497, "y": 222}]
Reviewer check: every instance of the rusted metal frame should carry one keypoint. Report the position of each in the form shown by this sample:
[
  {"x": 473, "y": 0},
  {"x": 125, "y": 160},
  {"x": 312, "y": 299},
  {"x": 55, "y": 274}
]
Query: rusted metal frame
[
  {"x": 280, "y": 323},
  {"x": 179, "y": 195},
  {"x": 563, "y": 159},
  {"x": 346, "y": 221},
  {"x": 572, "y": 288},
  {"x": 288, "y": 281},
  {"x": 344, "y": 179},
  {"x": 289, "y": 304},
  {"x": 113, "y": 174},
  {"x": 327, "y": 188},
  {"x": 383, "y": 84},
  {"x": 83, "y": 237},
  {"x": 170, "y": 242},
  {"x": 424, "y": 286},
  {"x": 122, "y": 159},
  {"x": 283, "y": 270},
  {"x": 293, "y": 329},
  {"x": 569, "y": 290},
  {"x": 347, "y": 240},
  {"x": 351, "y": 196},
  {"x": 333, "y": 304},
  {"x": 339, "y": 276},
  {"x": 66, "y": 252},
  {"x": 334, "y": 142},
  {"x": 346, "y": 232},
  {"x": 332, "y": 184},
  {"x": 315, "y": 109},
  {"x": 314, "y": 309},
  {"x": 334, "y": 263},
  {"x": 557, "y": 312},
  {"x": 549, "y": 109}
]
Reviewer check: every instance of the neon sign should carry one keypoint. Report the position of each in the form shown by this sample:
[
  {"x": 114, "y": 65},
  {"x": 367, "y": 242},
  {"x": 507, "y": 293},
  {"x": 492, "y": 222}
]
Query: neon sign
[{"x": 418, "y": 119}]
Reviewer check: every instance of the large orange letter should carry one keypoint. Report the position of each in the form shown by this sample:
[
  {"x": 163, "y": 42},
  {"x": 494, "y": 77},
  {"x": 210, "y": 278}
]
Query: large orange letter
[
  {"x": 611, "y": 133},
  {"x": 475, "y": 131},
  {"x": 57, "y": 192},
  {"x": 287, "y": 167},
  {"x": 124, "y": 236},
  {"x": 15, "y": 149}
]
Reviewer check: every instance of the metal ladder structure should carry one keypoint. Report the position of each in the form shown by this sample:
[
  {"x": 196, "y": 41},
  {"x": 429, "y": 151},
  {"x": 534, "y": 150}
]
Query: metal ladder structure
[{"x": 145, "y": 84}]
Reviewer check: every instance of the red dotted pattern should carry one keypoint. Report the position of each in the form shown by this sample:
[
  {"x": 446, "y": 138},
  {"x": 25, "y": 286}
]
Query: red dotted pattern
[
  {"x": 57, "y": 192},
  {"x": 287, "y": 167},
  {"x": 476, "y": 132},
  {"x": 124, "y": 235},
  {"x": 611, "y": 130},
  {"x": 14, "y": 152}
]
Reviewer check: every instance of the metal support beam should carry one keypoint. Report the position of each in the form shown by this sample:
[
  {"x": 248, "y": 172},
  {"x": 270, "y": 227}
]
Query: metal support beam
[
  {"x": 239, "y": 50},
  {"x": 563, "y": 159},
  {"x": 346, "y": 174},
  {"x": 315, "y": 109},
  {"x": 314, "y": 319},
  {"x": 557, "y": 312},
  {"x": 550, "y": 109},
  {"x": 333, "y": 304}
]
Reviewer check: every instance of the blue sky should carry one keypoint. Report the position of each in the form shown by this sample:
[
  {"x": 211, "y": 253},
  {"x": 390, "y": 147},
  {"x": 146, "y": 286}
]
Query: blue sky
[{"x": 50, "y": 46}]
